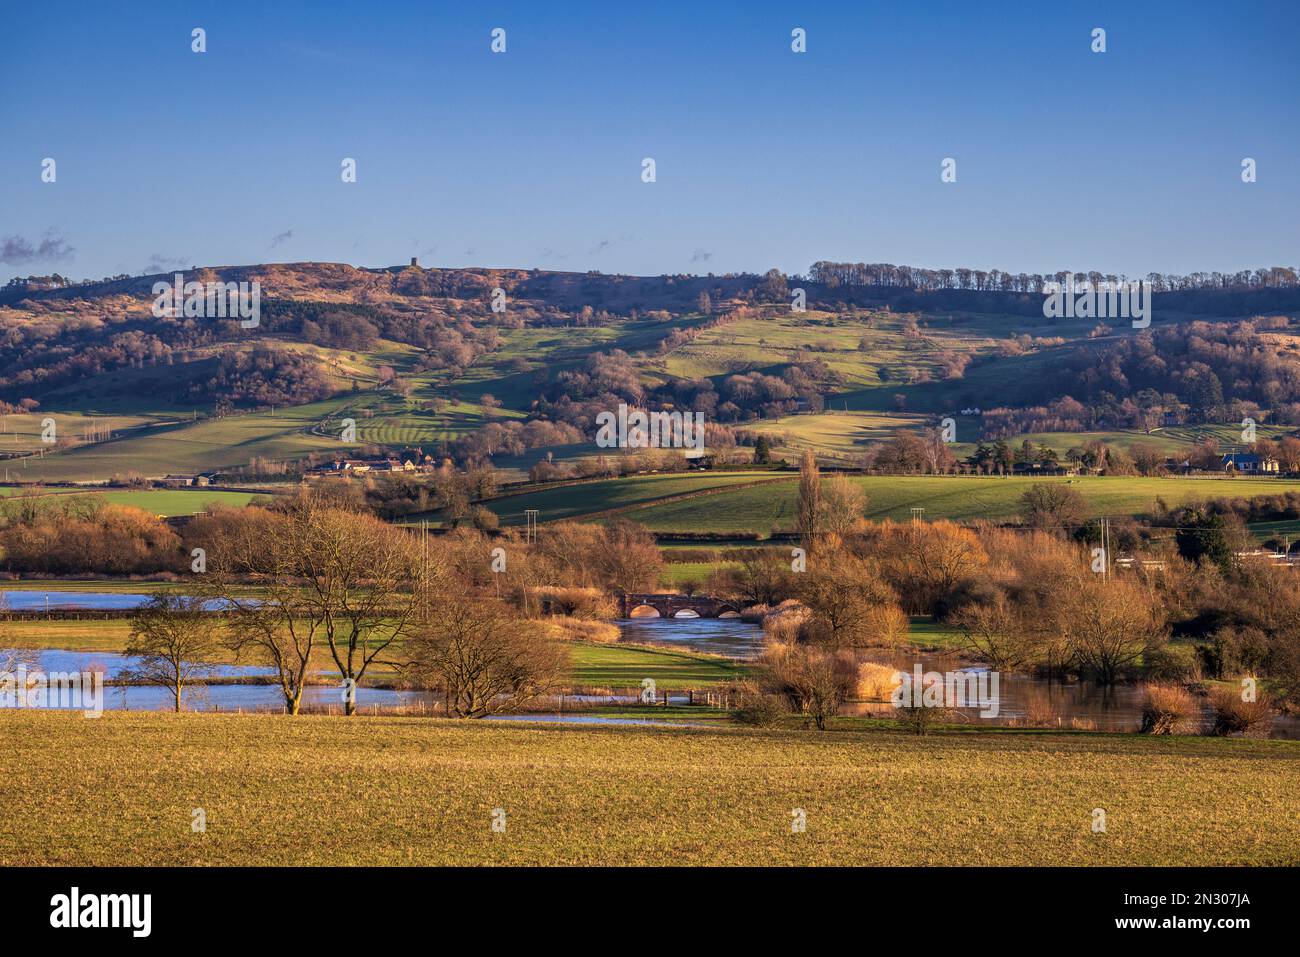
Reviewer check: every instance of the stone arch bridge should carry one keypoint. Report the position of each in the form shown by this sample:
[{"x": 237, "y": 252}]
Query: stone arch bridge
[{"x": 675, "y": 606}]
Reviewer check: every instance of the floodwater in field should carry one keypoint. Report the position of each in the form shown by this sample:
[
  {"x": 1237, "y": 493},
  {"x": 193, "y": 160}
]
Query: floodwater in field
[
  {"x": 36, "y": 600},
  {"x": 1030, "y": 700},
  {"x": 226, "y": 692},
  {"x": 1022, "y": 699}
]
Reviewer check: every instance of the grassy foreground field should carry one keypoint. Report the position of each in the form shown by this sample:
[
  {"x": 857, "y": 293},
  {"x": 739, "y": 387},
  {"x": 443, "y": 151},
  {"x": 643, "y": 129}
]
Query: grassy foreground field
[{"x": 120, "y": 790}]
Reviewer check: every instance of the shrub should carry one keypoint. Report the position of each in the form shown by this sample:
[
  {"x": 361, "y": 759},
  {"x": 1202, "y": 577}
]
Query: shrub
[
  {"x": 888, "y": 625},
  {"x": 756, "y": 707},
  {"x": 576, "y": 602},
  {"x": 1167, "y": 710},
  {"x": 785, "y": 622},
  {"x": 564, "y": 628},
  {"x": 484, "y": 659},
  {"x": 919, "y": 719},
  {"x": 484, "y": 519},
  {"x": 1232, "y": 715},
  {"x": 1040, "y": 711},
  {"x": 876, "y": 682},
  {"x": 1172, "y": 664},
  {"x": 813, "y": 681}
]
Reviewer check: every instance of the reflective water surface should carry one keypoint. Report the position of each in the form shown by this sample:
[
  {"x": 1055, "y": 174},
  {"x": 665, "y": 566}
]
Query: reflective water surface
[{"x": 1022, "y": 699}]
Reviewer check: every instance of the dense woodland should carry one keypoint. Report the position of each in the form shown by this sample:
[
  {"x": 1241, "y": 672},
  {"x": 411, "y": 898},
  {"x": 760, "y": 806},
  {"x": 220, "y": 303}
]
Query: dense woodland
[{"x": 998, "y": 280}]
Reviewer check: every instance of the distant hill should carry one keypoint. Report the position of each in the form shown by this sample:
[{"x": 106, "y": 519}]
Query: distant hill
[{"x": 419, "y": 356}]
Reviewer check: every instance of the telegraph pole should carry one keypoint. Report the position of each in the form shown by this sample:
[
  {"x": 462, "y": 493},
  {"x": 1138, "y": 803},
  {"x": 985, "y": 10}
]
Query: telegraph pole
[
  {"x": 424, "y": 570},
  {"x": 1105, "y": 549}
]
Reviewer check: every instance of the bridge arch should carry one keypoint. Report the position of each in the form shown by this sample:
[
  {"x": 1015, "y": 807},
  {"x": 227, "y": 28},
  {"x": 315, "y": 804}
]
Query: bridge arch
[{"x": 675, "y": 605}]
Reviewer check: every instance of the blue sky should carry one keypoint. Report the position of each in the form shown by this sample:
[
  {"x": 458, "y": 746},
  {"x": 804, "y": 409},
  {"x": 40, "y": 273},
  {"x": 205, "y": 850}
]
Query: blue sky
[{"x": 1127, "y": 161}]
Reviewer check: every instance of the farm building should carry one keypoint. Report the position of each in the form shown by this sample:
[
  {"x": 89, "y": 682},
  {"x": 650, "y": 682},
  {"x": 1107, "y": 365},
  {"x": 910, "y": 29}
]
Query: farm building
[{"x": 1249, "y": 463}]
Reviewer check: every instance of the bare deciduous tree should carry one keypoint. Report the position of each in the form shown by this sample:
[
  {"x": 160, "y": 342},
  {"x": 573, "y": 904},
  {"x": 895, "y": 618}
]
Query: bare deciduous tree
[
  {"x": 361, "y": 583},
  {"x": 1053, "y": 507},
  {"x": 261, "y": 549},
  {"x": 626, "y": 557},
  {"x": 997, "y": 632},
  {"x": 483, "y": 658},
  {"x": 1108, "y": 624},
  {"x": 761, "y": 576},
  {"x": 345, "y": 578},
  {"x": 850, "y": 602},
  {"x": 843, "y": 506},
  {"x": 815, "y": 681},
  {"x": 174, "y": 639}
]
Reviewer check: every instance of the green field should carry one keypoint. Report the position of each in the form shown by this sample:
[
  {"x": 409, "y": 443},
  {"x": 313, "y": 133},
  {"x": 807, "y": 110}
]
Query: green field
[
  {"x": 1173, "y": 440},
  {"x": 210, "y": 444},
  {"x": 121, "y": 790},
  {"x": 925, "y": 632},
  {"x": 27, "y": 432},
  {"x": 676, "y": 574},
  {"x": 1287, "y": 528},
  {"x": 836, "y": 435},
  {"x": 778, "y": 336},
  {"x": 571, "y": 501},
  {"x": 668, "y": 503},
  {"x": 625, "y": 666},
  {"x": 192, "y": 447},
  {"x": 110, "y": 635},
  {"x": 962, "y": 498},
  {"x": 165, "y": 502}
]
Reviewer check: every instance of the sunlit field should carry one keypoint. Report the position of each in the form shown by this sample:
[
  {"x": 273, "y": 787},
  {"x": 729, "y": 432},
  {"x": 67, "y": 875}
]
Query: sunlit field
[
  {"x": 122, "y": 789},
  {"x": 771, "y": 506}
]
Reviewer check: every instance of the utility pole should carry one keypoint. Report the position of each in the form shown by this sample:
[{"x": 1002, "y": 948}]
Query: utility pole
[
  {"x": 424, "y": 570},
  {"x": 530, "y": 534},
  {"x": 1105, "y": 549}
]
